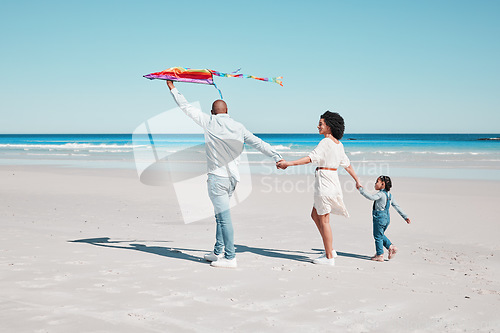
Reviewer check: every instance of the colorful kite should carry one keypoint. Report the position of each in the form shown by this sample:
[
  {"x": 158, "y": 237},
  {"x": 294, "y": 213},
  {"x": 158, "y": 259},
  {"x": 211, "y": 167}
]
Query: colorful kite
[{"x": 203, "y": 76}]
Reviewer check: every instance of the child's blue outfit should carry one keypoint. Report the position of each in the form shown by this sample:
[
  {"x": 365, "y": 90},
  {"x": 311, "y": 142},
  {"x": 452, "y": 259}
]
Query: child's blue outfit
[{"x": 381, "y": 218}]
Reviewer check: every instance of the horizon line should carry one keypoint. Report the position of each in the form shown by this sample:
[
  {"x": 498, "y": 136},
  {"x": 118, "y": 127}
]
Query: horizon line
[{"x": 258, "y": 133}]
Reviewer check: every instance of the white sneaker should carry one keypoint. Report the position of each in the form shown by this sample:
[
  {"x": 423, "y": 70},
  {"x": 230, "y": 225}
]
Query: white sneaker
[
  {"x": 323, "y": 255},
  {"x": 324, "y": 261},
  {"x": 223, "y": 262},
  {"x": 213, "y": 257}
]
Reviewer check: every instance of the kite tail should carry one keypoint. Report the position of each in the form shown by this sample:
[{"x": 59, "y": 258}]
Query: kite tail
[{"x": 233, "y": 74}]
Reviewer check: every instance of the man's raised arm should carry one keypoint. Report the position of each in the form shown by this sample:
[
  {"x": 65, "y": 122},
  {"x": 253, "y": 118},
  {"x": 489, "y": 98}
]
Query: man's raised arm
[{"x": 196, "y": 114}]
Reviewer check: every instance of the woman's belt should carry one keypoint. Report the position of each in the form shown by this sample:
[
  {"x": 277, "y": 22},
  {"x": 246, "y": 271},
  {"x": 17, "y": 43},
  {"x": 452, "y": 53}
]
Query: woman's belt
[{"x": 324, "y": 168}]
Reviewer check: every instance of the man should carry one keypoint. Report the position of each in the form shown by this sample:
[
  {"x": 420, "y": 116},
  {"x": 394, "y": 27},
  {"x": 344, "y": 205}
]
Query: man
[{"x": 224, "y": 140}]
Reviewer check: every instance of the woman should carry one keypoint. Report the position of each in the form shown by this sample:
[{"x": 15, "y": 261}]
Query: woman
[{"x": 328, "y": 155}]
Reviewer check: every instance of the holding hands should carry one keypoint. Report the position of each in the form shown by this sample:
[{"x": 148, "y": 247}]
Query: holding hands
[{"x": 282, "y": 164}]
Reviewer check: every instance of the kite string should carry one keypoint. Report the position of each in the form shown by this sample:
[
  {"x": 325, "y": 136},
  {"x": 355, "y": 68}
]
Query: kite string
[{"x": 220, "y": 93}]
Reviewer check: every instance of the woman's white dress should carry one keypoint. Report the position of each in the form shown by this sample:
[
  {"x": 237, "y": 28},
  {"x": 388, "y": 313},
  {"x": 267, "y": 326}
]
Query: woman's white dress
[{"x": 328, "y": 196}]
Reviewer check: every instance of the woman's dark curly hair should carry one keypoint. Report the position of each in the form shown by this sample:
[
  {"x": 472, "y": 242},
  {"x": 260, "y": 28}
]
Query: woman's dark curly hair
[
  {"x": 387, "y": 181},
  {"x": 335, "y": 122}
]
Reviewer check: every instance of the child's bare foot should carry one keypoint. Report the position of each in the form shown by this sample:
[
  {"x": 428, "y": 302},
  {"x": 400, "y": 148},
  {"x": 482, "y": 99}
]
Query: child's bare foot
[
  {"x": 378, "y": 258},
  {"x": 392, "y": 251}
]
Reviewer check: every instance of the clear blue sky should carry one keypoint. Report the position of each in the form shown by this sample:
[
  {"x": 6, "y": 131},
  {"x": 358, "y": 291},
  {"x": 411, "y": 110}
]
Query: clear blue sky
[{"x": 400, "y": 66}]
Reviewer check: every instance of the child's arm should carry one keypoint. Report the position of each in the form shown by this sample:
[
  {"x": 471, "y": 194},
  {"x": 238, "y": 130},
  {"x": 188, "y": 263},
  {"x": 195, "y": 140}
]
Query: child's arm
[
  {"x": 400, "y": 211},
  {"x": 373, "y": 197}
]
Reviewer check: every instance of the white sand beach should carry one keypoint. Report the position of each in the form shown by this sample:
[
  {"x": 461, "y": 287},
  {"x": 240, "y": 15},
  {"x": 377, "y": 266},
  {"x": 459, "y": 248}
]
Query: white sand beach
[{"x": 94, "y": 250}]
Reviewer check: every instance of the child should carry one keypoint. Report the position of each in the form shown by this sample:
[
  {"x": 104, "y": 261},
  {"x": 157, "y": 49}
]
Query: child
[{"x": 382, "y": 199}]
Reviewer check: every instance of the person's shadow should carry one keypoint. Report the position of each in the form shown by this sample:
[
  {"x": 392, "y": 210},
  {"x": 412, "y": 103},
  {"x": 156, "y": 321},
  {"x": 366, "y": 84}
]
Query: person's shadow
[
  {"x": 349, "y": 255},
  {"x": 132, "y": 245},
  {"x": 179, "y": 253},
  {"x": 275, "y": 253}
]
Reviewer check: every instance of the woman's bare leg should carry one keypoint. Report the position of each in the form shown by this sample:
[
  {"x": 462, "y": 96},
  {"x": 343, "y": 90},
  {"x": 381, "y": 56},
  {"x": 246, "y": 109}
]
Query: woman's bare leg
[
  {"x": 325, "y": 230},
  {"x": 315, "y": 217},
  {"x": 324, "y": 221}
]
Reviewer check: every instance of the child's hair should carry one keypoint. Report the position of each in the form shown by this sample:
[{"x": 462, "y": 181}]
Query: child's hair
[
  {"x": 387, "y": 181},
  {"x": 335, "y": 122}
]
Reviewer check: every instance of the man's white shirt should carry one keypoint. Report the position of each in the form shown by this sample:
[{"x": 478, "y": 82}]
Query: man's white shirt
[{"x": 224, "y": 139}]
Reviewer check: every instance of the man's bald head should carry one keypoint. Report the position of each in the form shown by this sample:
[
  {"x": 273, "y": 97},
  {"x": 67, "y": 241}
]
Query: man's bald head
[{"x": 219, "y": 106}]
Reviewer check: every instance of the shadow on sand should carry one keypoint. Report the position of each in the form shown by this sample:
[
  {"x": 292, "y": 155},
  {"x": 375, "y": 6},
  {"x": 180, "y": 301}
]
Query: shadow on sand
[
  {"x": 179, "y": 253},
  {"x": 349, "y": 255},
  {"x": 134, "y": 245}
]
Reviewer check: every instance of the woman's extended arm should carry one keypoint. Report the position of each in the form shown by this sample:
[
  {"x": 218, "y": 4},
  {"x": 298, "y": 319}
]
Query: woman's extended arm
[
  {"x": 350, "y": 170},
  {"x": 301, "y": 161}
]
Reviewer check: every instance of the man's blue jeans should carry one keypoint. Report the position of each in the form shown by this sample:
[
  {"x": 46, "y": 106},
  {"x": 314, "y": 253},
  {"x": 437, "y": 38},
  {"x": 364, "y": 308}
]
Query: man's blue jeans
[{"x": 220, "y": 190}]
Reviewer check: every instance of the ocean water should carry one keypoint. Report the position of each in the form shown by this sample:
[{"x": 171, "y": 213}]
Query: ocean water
[{"x": 458, "y": 156}]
